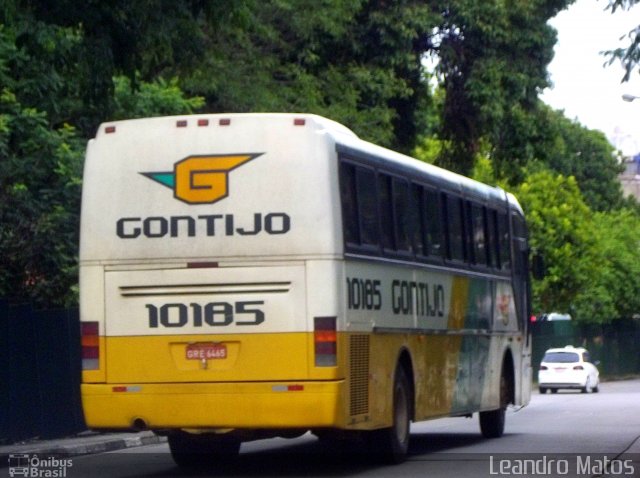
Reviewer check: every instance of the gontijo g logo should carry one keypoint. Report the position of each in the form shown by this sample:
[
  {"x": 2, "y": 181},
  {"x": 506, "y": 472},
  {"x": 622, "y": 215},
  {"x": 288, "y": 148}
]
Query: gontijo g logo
[{"x": 201, "y": 179}]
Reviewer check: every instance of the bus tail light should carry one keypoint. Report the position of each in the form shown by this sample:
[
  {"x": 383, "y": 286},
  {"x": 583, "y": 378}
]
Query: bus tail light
[
  {"x": 325, "y": 341},
  {"x": 90, "y": 345}
]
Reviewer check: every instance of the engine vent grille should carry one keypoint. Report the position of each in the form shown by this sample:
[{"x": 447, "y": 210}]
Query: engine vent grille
[{"x": 359, "y": 377}]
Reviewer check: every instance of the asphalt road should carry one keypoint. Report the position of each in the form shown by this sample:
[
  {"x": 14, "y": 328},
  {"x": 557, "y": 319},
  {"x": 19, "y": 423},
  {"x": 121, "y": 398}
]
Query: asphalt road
[{"x": 566, "y": 434}]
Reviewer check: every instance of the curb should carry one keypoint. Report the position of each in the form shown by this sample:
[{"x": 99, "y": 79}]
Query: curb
[{"x": 81, "y": 446}]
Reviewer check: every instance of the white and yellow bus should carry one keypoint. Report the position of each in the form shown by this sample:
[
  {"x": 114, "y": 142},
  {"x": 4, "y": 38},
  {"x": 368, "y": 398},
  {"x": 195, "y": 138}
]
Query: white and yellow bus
[{"x": 253, "y": 275}]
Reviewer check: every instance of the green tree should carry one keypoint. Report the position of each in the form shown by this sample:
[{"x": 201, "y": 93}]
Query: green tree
[
  {"x": 559, "y": 228},
  {"x": 41, "y": 156},
  {"x": 358, "y": 62},
  {"x": 141, "y": 39},
  {"x": 159, "y": 98},
  {"x": 492, "y": 60},
  {"x": 618, "y": 241},
  {"x": 40, "y": 167},
  {"x": 629, "y": 56},
  {"x": 545, "y": 136},
  {"x": 567, "y": 147},
  {"x": 591, "y": 258}
]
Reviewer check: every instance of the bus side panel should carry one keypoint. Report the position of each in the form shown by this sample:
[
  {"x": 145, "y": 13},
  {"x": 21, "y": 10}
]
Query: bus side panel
[
  {"x": 439, "y": 357},
  {"x": 456, "y": 328}
]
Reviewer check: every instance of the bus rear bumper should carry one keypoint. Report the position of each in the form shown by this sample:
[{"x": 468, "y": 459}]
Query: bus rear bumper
[{"x": 214, "y": 406}]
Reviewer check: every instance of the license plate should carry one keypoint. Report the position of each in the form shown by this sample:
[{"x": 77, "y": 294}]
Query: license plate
[{"x": 206, "y": 351}]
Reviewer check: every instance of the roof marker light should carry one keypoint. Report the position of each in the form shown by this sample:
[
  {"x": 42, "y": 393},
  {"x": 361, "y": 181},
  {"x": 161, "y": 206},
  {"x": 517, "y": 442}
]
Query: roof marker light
[
  {"x": 299, "y": 122},
  {"x": 201, "y": 265},
  {"x": 181, "y": 123},
  {"x": 203, "y": 122},
  {"x": 110, "y": 129},
  {"x": 224, "y": 121}
]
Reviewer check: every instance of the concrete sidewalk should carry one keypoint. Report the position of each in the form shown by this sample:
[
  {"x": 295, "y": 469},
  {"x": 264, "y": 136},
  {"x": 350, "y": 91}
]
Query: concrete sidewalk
[{"x": 82, "y": 444}]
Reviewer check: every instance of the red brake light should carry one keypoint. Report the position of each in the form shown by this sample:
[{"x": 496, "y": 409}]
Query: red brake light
[
  {"x": 89, "y": 328},
  {"x": 325, "y": 341},
  {"x": 90, "y": 341}
]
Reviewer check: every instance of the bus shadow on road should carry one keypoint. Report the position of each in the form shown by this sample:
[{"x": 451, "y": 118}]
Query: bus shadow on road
[
  {"x": 425, "y": 443},
  {"x": 291, "y": 460},
  {"x": 313, "y": 458}
]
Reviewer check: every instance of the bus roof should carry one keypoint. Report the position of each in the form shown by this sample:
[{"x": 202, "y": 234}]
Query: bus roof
[{"x": 348, "y": 143}]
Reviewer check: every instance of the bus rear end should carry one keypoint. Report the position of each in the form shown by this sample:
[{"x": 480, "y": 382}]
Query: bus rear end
[{"x": 202, "y": 244}]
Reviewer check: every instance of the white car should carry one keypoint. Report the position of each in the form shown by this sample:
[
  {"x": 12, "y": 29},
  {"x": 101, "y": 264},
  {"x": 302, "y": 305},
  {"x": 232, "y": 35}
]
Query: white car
[{"x": 568, "y": 367}]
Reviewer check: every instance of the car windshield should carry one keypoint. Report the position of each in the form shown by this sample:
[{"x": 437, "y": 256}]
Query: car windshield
[{"x": 561, "y": 357}]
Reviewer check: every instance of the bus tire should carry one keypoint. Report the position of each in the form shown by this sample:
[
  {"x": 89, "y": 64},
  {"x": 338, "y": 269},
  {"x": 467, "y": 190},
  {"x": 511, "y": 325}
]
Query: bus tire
[
  {"x": 391, "y": 444},
  {"x": 194, "y": 451},
  {"x": 492, "y": 422}
]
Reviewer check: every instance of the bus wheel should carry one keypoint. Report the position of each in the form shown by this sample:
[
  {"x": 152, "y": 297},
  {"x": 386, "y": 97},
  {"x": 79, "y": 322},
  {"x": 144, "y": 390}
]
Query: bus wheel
[
  {"x": 492, "y": 422},
  {"x": 190, "y": 450},
  {"x": 392, "y": 444}
]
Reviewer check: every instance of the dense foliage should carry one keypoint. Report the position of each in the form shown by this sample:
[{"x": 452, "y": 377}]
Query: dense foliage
[
  {"x": 455, "y": 82},
  {"x": 629, "y": 56},
  {"x": 591, "y": 257}
]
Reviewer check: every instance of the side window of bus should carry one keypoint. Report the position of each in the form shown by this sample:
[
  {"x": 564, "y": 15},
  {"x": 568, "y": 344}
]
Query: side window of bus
[
  {"x": 367, "y": 206},
  {"x": 519, "y": 266},
  {"x": 416, "y": 221},
  {"x": 349, "y": 203},
  {"x": 401, "y": 214},
  {"x": 520, "y": 242},
  {"x": 505, "y": 243},
  {"x": 386, "y": 211},
  {"x": 455, "y": 228},
  {"x": 493, "y": 248},
  {"x": 433, "y": 223},
  {"x": 519, "y": 227},
  {"x": 478, "y": 234}
]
